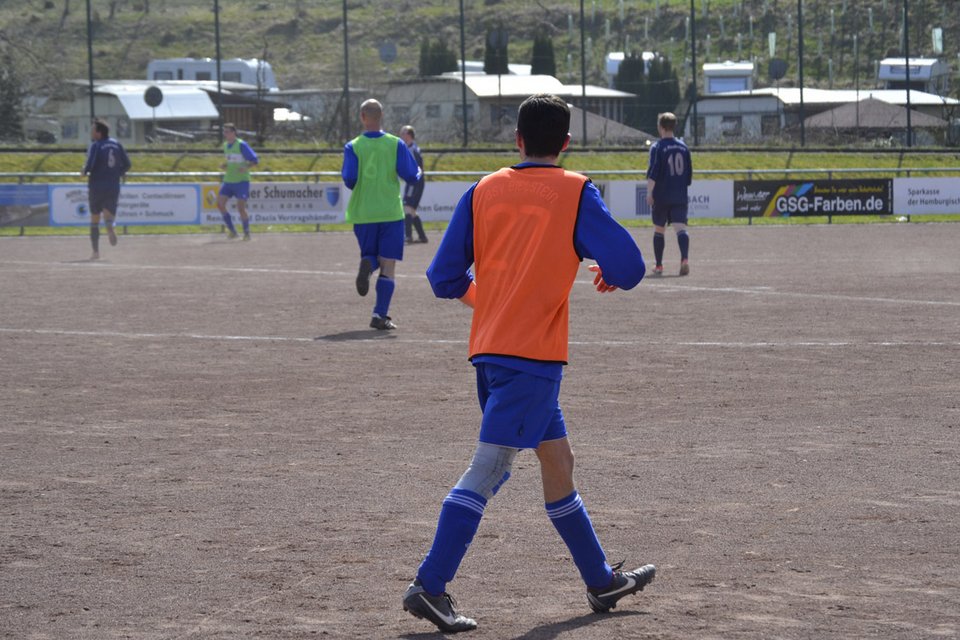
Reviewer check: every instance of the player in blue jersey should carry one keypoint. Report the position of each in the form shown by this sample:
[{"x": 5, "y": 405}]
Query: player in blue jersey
[
  {"x": 239, "y": 157},
  {"x": 669, "y": 174},
  {"x": 106, "y": 164},
  {"x": 412, "y": 192},
  {"x": 525, "y": 230},
  {"x": 373, "y": 165}
]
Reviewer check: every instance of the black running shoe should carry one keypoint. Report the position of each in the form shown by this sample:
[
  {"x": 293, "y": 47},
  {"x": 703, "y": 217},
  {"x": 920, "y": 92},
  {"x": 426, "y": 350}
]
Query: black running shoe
[
  {"x": 382, "y": 324},
  {"x": 363, "y": 276},
  {"x": 437, "y": 609},
  {"x": 623, "y": 584}
]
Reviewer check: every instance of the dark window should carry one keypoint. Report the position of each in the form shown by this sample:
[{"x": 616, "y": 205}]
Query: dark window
[
  {"x": 731, "y": 126},
  {"x": 770, "y": 125}
]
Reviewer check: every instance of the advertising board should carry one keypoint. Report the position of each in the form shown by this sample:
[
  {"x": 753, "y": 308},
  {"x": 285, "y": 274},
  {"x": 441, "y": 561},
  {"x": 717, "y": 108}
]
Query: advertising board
[
  {"x": 776, "y": 198},
  {"x": 139, "y": 204}
]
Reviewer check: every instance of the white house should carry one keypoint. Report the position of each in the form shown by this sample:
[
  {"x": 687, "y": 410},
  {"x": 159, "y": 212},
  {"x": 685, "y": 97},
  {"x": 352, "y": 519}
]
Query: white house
[
  {"x": 434, "y": 105},
  {"x": 186, "y": 108},
  {"x": 750, "y": 116}
]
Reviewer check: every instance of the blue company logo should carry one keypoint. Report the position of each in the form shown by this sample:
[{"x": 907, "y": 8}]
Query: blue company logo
[
  {"x": 643, "y": 209},
  {"x": 81, "y": 210},
  {"x": 333, "y": 195}
]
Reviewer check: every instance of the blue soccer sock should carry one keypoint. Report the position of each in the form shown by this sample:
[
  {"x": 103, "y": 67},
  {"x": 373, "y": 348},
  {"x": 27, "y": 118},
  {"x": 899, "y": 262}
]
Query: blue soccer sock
[
  {"x": 684, "y": 241},
  {"x": 246, "y": 226},
  {"x": 385, "y": 288},
  {"x": 571, "y": 521},
  {"x": 459, "y": 519},
  {"x": 227, "y": 220},
  {"x": 658, "y": 244}
]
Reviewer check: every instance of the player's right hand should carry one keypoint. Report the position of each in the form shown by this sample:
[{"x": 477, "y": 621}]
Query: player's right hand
[{"x": 600, "y": 283}]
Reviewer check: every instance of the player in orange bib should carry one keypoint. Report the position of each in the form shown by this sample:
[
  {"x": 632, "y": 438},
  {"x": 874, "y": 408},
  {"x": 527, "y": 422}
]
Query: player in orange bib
[{"x": 525, "y": 229}]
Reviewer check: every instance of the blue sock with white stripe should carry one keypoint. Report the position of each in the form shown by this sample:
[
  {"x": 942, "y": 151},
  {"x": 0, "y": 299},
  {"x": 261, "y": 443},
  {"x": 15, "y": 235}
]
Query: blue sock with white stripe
[
  {"x": 228, "y": 220},
  {"x": 385, "y": 287},
  {"x": 570, "y": 518},
  {"x": 459, "y": 519}
]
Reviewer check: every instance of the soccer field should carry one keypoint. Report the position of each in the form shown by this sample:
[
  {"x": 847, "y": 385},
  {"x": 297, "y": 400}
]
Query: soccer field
[{"x": 203, "y": 439}]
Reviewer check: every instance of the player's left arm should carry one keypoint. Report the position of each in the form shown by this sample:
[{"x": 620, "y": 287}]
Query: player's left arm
[
  {"x": 125, "y": 163},
  {"x": 249, "y": 154},
  {"x": 599, "y": 237}
]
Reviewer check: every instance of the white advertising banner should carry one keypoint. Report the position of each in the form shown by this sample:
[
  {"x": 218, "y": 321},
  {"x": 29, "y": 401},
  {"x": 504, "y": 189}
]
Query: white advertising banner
[
  {"x": 138, "y": 204},
  {"x": 625, "y": 198},
  {"x": 440, "y": 199},
  {"x": 282, "y": 203},
  {"x": 326, "y": 202},
  {"x": 707, "y": 198},
  {"x": 926, "y": 196}
]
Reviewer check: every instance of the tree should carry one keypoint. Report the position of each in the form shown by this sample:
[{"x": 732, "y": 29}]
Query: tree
[
  {"x": 632, "y": 78},
  {"x": 436, "y": 58},
  {"x": 11, "y": 102},
  {"x": 664, "y": 89},
  {"x": 655, "y": 85},
  {"x": 495, "y": 54},
  {"x": 542, "y": 62},
  {"x": 66, "y": 12}
]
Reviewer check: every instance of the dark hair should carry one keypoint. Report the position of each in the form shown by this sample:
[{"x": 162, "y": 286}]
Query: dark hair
[
  {"x": 543, "y": 122},
  {"x": 101, "y": 128}
]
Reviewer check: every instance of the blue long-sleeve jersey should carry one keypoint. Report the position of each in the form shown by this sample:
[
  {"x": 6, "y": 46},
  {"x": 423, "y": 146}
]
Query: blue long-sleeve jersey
[
  {"x": 413, "y": 192},
  {"x": 107, "y": 161},
  {"x": 407, "y": 167}
]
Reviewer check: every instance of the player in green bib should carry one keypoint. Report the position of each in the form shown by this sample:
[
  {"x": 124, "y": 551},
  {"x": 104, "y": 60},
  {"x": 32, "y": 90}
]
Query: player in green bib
[
  {"x": 373, "y": 165},
  {"x": 236, "y": 179}
]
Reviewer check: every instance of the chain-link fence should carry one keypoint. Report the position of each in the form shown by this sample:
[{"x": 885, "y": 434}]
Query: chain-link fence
[{"x": 296, "y": 70}]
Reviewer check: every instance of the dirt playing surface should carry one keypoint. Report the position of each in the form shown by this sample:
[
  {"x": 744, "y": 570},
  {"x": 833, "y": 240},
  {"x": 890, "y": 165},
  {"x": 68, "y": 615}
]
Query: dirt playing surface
[{"x": 203, "y": 439}]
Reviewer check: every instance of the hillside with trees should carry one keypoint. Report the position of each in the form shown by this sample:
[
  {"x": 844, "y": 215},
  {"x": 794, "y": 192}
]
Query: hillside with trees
[{"x": 46, "y": 40}]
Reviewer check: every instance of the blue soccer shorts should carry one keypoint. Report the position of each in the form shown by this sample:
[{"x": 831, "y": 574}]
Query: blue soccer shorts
[
  {"x": 520, "y": 410},
  {"x": 673, "y": 213},
  {"x": 383, "y": 239},
  {"x": 238, "y": 190},
  {"x": 103, "y": 198}
]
